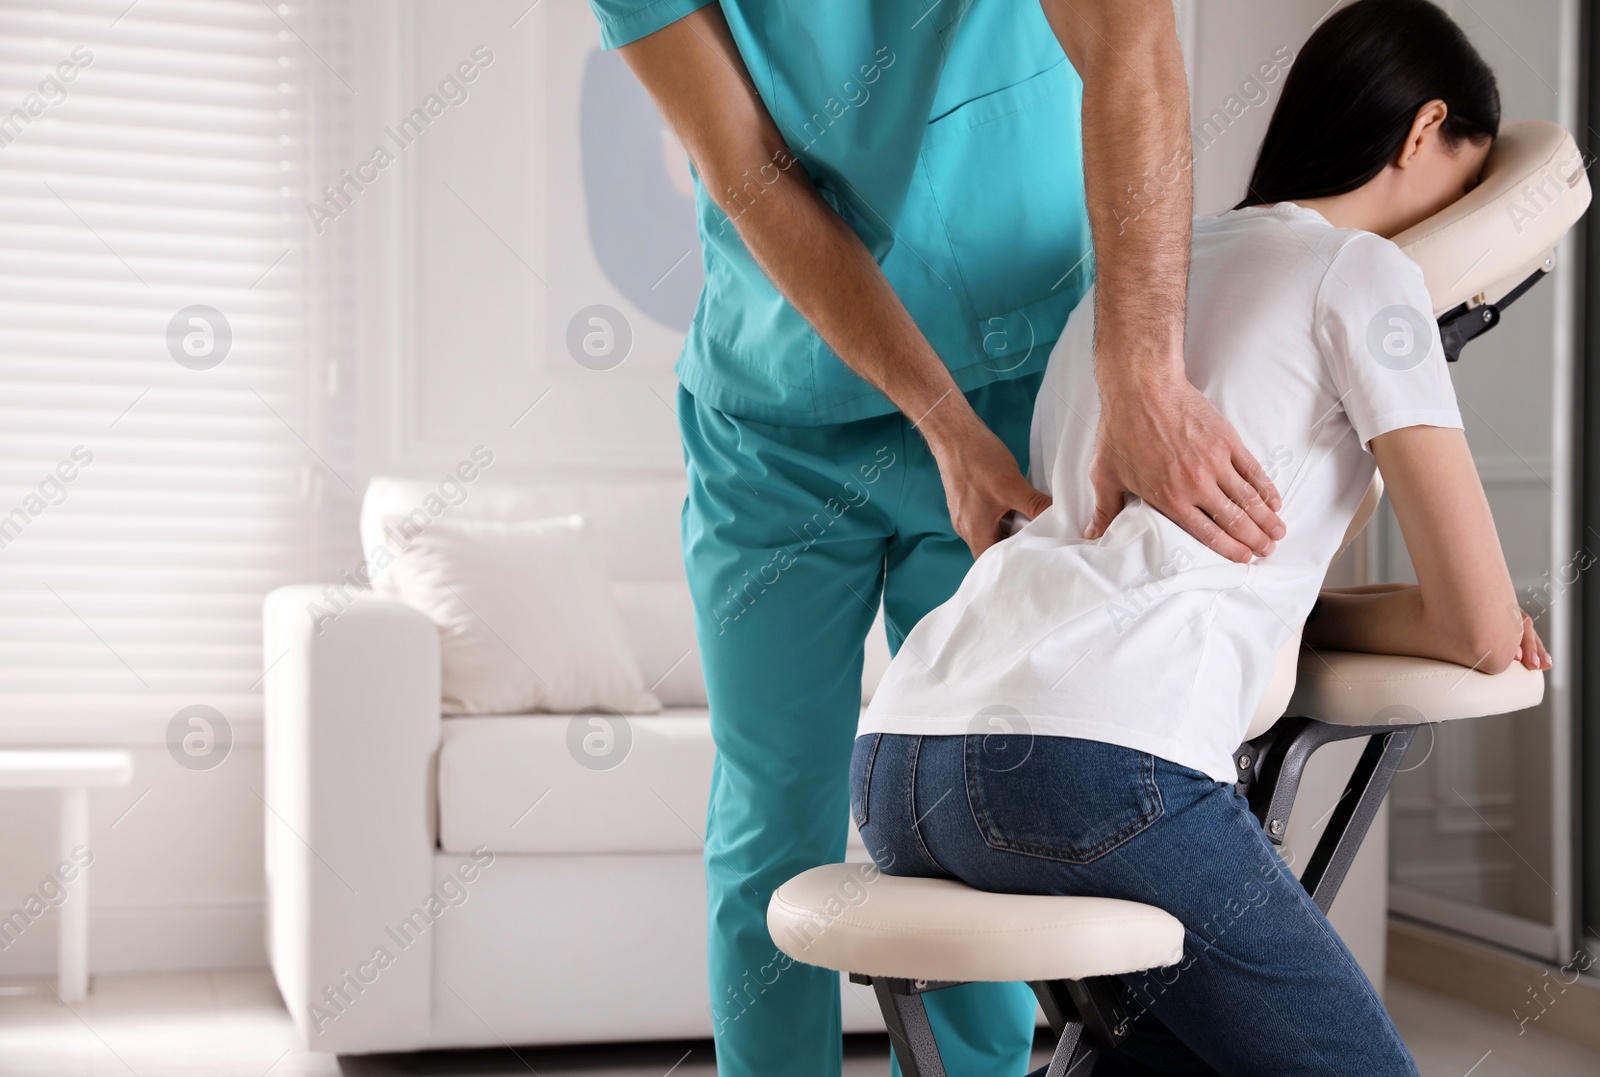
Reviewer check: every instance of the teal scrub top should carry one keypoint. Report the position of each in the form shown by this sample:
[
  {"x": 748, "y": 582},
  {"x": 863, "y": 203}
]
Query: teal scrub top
[{"x": 947, "y": 134}]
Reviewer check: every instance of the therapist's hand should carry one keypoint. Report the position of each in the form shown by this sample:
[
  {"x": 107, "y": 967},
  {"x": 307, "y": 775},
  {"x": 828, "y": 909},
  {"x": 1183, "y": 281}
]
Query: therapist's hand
[
  {"x": 1160, "y": 439},
  {"x": 982, "y": 483}
]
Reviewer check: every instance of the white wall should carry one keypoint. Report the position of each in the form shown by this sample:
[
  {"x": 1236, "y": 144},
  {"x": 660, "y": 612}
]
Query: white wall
[{"x": 497, "y": 206}]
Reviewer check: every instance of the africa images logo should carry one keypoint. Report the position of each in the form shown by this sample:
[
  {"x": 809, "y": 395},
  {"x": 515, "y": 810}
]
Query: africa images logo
[{"x": 1400, "y": 337}]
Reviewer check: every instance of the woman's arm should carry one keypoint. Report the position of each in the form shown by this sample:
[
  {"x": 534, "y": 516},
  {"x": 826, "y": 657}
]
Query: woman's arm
[
  {"x": 1463, "y": 608},
  {"x": 1366, "y": 589}
]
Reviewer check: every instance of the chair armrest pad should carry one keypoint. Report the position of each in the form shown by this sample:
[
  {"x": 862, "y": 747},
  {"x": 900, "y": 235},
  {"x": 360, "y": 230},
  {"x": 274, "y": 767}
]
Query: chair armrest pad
[{"x": 1348, "y": 688}]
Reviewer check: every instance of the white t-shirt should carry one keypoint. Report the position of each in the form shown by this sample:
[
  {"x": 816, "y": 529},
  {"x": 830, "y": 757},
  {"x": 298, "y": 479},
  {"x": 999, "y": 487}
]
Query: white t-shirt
[{"x": 1312, "y": 340}]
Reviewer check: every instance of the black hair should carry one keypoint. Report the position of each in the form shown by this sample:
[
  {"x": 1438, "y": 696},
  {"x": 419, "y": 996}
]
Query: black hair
[{"x": 1354, "y": 92}]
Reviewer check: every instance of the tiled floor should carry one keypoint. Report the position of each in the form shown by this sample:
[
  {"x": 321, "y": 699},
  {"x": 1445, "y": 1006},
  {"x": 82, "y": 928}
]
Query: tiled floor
[{"x": 232, "y": 1024}]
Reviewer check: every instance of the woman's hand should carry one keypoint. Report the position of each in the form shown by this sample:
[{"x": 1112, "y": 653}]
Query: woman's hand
[{"x": 1531, "y": 652}]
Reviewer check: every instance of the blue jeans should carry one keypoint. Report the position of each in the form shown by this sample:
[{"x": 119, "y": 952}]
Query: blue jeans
[{"x": 1265, "y": 985}]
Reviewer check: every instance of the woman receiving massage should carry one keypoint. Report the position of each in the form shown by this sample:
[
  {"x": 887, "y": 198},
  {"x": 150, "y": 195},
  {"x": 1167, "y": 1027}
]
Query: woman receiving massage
[{"x": 1127, "y": 664}]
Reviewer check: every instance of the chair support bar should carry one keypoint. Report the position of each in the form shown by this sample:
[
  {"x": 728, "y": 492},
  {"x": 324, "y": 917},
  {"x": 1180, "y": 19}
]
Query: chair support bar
[
  {"x": 1073, "y": 1053},
  {"x": 1273, "y": 766},
  {"x": 1087, "y": 1017},
  {"x": 909, "y": 1030},
  {"x": 1462, "y": 324},
  {"x": 1353, "y": 814}
]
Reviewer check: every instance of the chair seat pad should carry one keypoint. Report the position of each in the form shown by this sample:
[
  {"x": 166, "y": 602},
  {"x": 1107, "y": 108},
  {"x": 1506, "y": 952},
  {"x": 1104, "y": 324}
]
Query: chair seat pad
[
  {"x": 1347, "y": 688},
  {"x": 853, "y": 918}
]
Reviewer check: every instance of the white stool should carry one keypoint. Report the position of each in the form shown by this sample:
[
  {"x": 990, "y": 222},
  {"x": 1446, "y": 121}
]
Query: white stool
[{"x": 74, "y": 773}]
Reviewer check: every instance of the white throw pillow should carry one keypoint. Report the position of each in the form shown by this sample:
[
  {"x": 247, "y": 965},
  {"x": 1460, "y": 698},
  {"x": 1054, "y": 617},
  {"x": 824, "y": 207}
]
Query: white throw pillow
[
  {"x": 526, "y": 618},
  {"x": 659, "y": 619}
]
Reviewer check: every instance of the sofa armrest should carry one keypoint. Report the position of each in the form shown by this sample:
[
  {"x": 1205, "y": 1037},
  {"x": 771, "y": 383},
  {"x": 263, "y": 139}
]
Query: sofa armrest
[{"x": 351, "y": 731}]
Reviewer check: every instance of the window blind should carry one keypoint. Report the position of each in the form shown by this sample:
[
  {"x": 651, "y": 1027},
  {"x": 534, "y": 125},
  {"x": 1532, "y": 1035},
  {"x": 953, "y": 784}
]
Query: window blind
[{"x": 153, "y": 370}]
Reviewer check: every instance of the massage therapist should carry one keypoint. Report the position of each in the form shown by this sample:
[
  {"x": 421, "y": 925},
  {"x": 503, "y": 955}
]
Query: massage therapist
[{"x": 899, "y": 204}]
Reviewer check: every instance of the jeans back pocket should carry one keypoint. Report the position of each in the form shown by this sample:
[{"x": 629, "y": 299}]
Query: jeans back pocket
[
  {"x": 861, "y": 760},
  {"x": 1059, "y": 798}
]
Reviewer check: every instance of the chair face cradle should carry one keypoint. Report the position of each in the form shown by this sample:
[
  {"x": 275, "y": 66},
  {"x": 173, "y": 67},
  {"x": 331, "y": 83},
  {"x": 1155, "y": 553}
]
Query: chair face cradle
[{"x": 1506, "y": 229}]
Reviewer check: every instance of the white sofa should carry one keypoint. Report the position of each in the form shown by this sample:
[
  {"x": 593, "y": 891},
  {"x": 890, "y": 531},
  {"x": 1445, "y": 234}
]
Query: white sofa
[{"x": 385, "y": 932}]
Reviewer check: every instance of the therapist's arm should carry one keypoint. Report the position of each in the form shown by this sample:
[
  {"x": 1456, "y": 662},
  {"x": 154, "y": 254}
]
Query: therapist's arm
[
  {"x": 1463, "y": 608},
  {"x": 694, "y": 72},
  {"x": 1159, "y": 437}
]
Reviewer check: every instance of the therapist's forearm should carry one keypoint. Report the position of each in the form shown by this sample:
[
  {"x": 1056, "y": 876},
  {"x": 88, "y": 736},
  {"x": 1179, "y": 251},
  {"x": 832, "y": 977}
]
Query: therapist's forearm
[
  {"x": 825, "y": 271},
  {"x": 696, "y": 75},
  {"x": 1137, "y": 179}
]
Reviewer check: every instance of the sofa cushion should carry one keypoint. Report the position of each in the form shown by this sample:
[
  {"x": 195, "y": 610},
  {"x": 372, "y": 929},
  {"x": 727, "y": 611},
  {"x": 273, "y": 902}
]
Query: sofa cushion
[
  {"x": 526, "y": 617},
  {"x": 588, "y": 783},
  {"x": 635, "y": 524},
  {"x": 592, "y": 783}
]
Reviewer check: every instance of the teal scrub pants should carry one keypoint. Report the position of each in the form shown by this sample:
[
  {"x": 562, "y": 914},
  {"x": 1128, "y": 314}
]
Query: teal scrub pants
[{"x": 791, "y": 536}]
